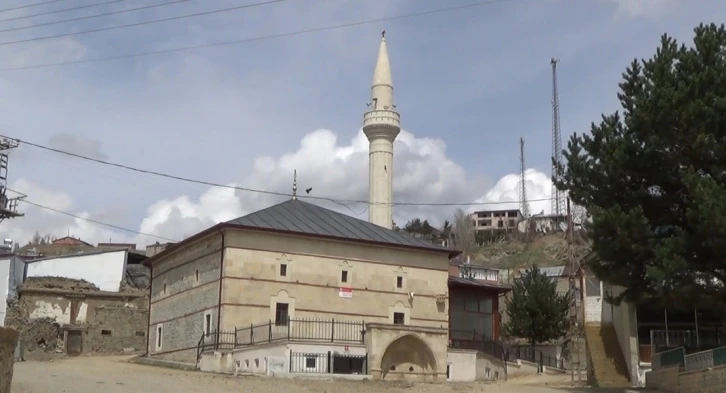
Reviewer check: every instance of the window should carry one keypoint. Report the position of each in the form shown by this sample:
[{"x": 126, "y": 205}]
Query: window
[
  {"x": 207, "y": 324},
  {"x": 164, "y": 289},
  {"x": 159, "y": 335},
  {"x": 105, "y": 332},
  {"x": 311, "y": 362},
  {"x": 511, "y": 223},
  {"x": 592, "y": 285},
  {"x": 140, "y": 333},
  {"x": 500, "y": 224},
  {"x": 197, "y": 275},
  {"x": 471, "y": 317},
  {"x": 399, "y": 318},
  {"x": 283, "y": 270},
  {"x": 344, "y": 276},
  {"x": 281, "y": 314},
  {"x": 399, "y": 282}
]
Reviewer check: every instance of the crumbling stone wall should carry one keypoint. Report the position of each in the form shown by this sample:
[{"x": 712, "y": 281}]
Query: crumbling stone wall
[
  {"x": 8, "y": 341},
  {"x": 49, "y": 307}
]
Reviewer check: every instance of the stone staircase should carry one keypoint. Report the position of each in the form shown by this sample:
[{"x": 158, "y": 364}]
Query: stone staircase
[{"x": 605, "y": 357}]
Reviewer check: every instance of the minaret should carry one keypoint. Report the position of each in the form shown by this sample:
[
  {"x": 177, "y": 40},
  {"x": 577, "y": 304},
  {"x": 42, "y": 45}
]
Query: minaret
[{"x": 381, "y": 125}]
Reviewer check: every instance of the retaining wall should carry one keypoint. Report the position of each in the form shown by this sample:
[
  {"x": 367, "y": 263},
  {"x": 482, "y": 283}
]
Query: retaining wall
[{"x": 8, "y": 342}]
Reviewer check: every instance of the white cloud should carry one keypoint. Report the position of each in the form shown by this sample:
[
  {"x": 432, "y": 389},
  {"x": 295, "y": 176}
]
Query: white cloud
[
  {"x": 45, "y": 221},
  {"x": 507, "y": 189},
  {"x": 423, "y": 173}
]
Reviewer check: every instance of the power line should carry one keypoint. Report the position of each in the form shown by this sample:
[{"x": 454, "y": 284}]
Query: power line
[
  {"x": 92, "y": 220},
  {"x": 252, "y": 190},
  {"x": 260, "y": 38},
  {"x": 30, "y": 5},
  {"x": 94, "y": 16},
  {"x": 142, "y": 23},
  {"x": 61, "y": 10}
]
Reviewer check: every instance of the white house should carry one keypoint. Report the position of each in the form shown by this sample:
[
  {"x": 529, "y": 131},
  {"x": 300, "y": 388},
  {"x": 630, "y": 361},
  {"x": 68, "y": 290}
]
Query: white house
[{"x": 104, "y": 268}]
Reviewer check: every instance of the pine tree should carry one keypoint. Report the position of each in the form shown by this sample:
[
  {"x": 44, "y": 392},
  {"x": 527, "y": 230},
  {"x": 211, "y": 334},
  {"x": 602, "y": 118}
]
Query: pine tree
[
  {"x": 536, "y": 311},
  {"x": 653, "y": 178}
]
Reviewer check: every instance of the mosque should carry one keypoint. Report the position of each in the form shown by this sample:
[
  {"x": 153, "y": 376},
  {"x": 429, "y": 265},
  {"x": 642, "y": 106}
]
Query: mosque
[{"x": 298, "y": 288}]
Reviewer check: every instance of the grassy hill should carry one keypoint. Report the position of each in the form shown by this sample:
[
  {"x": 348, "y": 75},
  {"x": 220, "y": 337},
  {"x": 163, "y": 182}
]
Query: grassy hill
[{"x": 509, "y": 250}]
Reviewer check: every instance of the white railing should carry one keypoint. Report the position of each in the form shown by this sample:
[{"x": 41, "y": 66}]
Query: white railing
[{"x": 699, "y": 360}]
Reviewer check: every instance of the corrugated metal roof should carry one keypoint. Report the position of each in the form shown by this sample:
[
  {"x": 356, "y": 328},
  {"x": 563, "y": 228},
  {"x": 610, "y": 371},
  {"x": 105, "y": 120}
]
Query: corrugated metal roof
[
  {"x": 478, "y": 283},
  {"x": 305, "y": 218},
  {"x": 556, "y": 271}
]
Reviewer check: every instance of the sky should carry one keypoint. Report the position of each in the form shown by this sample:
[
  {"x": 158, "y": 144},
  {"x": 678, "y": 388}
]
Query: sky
[{"x": 468, "y": 84}]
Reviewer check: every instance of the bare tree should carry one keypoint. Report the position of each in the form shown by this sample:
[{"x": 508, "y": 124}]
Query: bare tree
[{"x": 464, "y": 238}]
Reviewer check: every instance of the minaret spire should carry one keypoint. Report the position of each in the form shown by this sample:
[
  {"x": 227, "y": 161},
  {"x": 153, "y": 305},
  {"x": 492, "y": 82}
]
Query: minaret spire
[
  {"x": 381, "y": 125},
  {"x": 294, "y": 185}
]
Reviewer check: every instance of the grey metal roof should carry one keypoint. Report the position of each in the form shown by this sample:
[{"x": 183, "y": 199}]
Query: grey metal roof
[
  {"x": 479, "y": 283},
  {"x": 305, "y": 218}
]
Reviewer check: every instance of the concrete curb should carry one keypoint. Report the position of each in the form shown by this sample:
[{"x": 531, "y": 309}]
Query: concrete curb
[{"x": 164, "y": 363}]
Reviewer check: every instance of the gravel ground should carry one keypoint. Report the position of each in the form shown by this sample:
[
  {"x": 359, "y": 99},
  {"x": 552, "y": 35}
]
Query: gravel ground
[{"x": 115, "y": 375}]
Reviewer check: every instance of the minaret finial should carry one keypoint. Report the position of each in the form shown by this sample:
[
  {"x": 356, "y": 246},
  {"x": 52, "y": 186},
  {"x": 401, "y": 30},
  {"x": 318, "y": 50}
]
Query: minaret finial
[
  {"x": 294, "y": 185},
  {"x": 383, "y": 34}
]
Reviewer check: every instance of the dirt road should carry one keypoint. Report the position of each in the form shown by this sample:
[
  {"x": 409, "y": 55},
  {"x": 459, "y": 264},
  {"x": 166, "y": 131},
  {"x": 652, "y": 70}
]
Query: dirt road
[{"x": 115, "y": 375}]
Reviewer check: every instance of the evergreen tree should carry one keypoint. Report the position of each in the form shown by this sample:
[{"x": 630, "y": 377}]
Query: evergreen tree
[
  {"x": 536, "y": 311},
  {"x": 653, "y": 178}
]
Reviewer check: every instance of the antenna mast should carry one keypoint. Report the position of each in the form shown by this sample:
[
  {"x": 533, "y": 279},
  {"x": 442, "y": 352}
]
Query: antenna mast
[
  {"x": 558, "y": 197},
  {"x": 8, "y": 206},
  {"x": 524, "y": 205}
]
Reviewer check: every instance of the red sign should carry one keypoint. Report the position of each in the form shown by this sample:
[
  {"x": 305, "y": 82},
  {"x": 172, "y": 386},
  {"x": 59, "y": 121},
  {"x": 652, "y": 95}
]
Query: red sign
[{"x": 345, "y": 292}]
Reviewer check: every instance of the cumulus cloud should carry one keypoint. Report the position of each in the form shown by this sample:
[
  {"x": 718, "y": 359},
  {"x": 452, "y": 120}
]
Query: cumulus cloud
[
  {"x": 423, "y": 174},
  {"x": 507, "y": 189},
  {"x": 47, "y": 221}
]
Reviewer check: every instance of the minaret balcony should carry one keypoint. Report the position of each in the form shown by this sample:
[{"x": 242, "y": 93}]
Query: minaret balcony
[{"x": 383, "y": 119}]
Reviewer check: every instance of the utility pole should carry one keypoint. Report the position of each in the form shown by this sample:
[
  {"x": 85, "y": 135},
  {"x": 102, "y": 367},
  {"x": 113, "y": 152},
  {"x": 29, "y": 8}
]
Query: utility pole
[
  {"x": 558, "y": 197},
  {"x": 8, "y": 206},
  {"x": 523, "y": 181},
  {"x": 576, "y": 294}
]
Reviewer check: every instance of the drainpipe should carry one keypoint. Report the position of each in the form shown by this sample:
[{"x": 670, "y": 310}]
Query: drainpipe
[
  {"x": 219, "y": 301},
  {"x": 148, "y": 316}
]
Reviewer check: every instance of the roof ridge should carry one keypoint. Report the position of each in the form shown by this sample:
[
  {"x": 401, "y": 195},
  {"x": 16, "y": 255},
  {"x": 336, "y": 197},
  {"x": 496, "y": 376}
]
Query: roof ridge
[{"x": 296, "y": 216}]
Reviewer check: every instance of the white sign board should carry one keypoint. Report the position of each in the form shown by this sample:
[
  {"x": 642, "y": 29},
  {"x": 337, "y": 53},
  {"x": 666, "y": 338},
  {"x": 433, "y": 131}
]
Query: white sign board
[{"x": 345, "y": 292}]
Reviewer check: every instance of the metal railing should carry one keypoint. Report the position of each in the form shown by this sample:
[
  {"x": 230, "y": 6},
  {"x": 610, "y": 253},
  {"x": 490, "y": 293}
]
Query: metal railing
[
  {"x": 314, "y": 363},
  {"x": 470, "y": 339},
  {"x": 667, "y": 358},
  {"x": 692, "y": 340},
  {"x": 534, "y": 355},
  {"x": 327, "y": 363},
  {"x": 291, "y": 329},
  {"x": 705, "y": 359}
]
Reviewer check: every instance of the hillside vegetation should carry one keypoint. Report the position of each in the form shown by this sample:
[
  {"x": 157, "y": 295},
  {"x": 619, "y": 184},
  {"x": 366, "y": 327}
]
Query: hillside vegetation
[{"x": 509, "y": 250}]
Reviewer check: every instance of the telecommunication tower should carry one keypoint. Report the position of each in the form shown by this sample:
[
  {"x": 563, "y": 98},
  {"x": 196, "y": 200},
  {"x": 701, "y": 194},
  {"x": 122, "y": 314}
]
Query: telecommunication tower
[
  {"x": 524, "y": 205},
  {"x": 8, "y": 206},
  {"x": 558, "y": 197}
]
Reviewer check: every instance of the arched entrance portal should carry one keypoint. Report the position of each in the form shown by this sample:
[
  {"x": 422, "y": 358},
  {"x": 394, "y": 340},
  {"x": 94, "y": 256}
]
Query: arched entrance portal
[{"x": 408, "y": 357}]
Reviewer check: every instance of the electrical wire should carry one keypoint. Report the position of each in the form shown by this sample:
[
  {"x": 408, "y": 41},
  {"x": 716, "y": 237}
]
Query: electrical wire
[
  {"x": 252, "y": 190},
  {"x": 31, "y": 5},
  {"x": 94, "y": 16},
  {"x": 148, "y": 22},
  {"x": 61, "y": 10},
  {"x": 91, "y": 220},
  {"x": 259, "y": 38}
]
